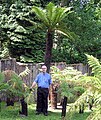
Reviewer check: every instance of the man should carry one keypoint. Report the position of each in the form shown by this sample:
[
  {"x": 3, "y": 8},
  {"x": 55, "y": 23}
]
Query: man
[{"x": 43, "y": 80}]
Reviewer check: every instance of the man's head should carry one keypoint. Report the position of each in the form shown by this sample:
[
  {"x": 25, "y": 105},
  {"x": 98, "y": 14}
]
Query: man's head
[{"x": 44, "y": 68}]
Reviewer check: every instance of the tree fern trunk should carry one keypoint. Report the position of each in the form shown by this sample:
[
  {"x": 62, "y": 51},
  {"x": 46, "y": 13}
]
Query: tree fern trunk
[
  {"x": 53, "y": 97},
  {"x": 64, "y": 104},
  {"x": 24, "y": 109},
  {"x": 48, "y": 53},
  {"x": 10, "y": 102},
  {"x": 0, "y": 105},
  {"x": 81, "y": 108}
]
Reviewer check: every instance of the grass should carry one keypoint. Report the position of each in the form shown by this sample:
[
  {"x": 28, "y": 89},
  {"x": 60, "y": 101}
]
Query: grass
[
  {"x": 12, "y": 113},
  {"x": 78, "y": 116}
]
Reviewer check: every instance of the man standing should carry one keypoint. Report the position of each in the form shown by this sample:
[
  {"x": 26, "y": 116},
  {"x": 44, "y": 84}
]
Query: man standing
[{"x": 43, "y": 80}]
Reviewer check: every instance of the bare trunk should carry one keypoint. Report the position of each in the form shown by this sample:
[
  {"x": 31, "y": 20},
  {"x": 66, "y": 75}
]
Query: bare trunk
[
  {"x": 10, "y": 102},
  {"x": 81, "y": 108},
  {"x": 24, "y": 109},
  {"x": 0, "y": 105},
  {"x": 49, "y": 45},
  {"x": 65, "y": 2},
  {"x": 53, "y": 98},
  {"x": 64, "y": 104}
]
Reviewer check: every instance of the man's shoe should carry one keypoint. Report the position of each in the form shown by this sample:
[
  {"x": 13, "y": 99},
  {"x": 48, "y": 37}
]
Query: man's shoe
[
  {"x": 46, "y": 114},
  {"x": 37, "y": 113}
]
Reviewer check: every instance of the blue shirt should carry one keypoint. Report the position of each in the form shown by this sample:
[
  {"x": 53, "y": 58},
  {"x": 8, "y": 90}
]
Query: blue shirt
[{"x": 43, "y": 80}]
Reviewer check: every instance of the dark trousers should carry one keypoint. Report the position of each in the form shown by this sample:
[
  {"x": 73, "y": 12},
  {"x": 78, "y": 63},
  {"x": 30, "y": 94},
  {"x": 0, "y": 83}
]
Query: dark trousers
[{"x": 42, "y": 100}]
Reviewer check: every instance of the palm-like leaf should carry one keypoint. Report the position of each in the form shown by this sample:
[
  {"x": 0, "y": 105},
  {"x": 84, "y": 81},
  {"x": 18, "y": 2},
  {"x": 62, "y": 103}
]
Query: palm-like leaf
[
  {"x": 41, "y": 15},
  {"x": 52, "y": 15}
]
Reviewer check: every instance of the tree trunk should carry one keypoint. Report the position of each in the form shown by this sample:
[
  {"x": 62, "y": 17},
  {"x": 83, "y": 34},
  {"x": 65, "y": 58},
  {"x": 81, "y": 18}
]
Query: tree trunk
[
  {"x": 81, "y": 108},
  {"x": 65, "y": 3},
  {"x": 0, "y": 105},
  {"x": 10, "y": 102},
  {"x": 49, "y": 45},
  {"x": 53, "y": 96},
  {"x": 64, "y": 104},
  {"x": 24, "y": 109}
]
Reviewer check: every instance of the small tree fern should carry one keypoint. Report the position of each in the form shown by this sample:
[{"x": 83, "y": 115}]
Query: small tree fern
[
  {"x": 66, "y": 84},
  {"x": 93, "y": 88}
]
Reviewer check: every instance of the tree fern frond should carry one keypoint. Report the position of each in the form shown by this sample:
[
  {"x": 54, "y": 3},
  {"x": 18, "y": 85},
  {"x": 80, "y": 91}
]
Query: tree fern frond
[
  {"x": 98, "y": 99},
  {"x": 68, "y": 34},
  {"x": 25, "y": 72},
  {"x": 41, "y": 15},
  {"x": 95, "y": 115},
  {"x": 59, "y": 14},
  {"x": 94, "y": 64},
  {"x": 82, "y": 99},
  {"x": 50, "y": 8}
]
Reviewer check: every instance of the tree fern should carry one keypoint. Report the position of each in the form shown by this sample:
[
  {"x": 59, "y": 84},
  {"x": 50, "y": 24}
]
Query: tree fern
[
  {"x": 93, "y": 86},
  {"x": 13, "y": 83}
]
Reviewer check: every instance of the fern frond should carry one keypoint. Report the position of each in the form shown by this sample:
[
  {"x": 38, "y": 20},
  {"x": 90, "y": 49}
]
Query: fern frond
[
  {"x": 95, "y": 115},
  {"x": 95, "y": 65},
  {"x": 25, "y": 72},
  {"x": 82, "y": 99},
  {"x": 41, "y": 15}
]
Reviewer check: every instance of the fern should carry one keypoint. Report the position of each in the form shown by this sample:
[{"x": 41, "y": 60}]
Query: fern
[
  {"x": 93, "y": 86},
  {"x": 13, "y": 83},
  {"x": 95, "y": 65}
]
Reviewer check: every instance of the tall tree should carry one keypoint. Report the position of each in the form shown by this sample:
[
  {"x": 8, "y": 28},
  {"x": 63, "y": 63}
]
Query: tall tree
[
  {"x": 51, "y": 17},
  {"x": 17, "y": 31}
]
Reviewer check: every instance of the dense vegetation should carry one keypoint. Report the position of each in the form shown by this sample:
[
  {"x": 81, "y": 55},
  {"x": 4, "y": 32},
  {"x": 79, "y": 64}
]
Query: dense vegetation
[{"x": 25, "y": 37}]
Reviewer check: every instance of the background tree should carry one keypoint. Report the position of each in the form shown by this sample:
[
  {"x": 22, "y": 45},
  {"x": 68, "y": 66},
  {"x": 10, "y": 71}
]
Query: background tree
[
  {"x": 17, "y": 31},
  {"x": 84, "y": 22}
]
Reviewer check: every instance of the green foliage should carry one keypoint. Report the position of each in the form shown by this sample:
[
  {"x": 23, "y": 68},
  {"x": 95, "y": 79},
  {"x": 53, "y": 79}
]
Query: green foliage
[
  {"x": 95, "y": 65},
  {"x": 4, "y": 53},
  {"x": 14, "y": 85},
  {"x": 11, "y": 113},
  {"x": 93, "y": 85},
  {"x": 3, "y": 85},
  {"x": 66, "y": 81},
  {"x": 17, "y": 31},
  {"x": 85, "y": 22},
  {"x": 51, "y": 16}
]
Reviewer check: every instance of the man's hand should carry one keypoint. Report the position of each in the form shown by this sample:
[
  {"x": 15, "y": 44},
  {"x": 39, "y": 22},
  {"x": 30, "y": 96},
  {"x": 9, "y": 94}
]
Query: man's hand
[{"x": 30, "y": 89}]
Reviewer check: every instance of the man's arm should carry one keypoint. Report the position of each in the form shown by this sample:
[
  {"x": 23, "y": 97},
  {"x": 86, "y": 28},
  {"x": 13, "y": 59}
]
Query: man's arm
[{"x": 33, "y": 84}]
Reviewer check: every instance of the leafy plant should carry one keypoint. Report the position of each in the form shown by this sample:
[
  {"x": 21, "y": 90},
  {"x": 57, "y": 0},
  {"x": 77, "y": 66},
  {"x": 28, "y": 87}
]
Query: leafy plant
[
  {"x": 16, "y": 86},
  {"x": 66, "y": 80},
  {"x": 93, "y": 86}
]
